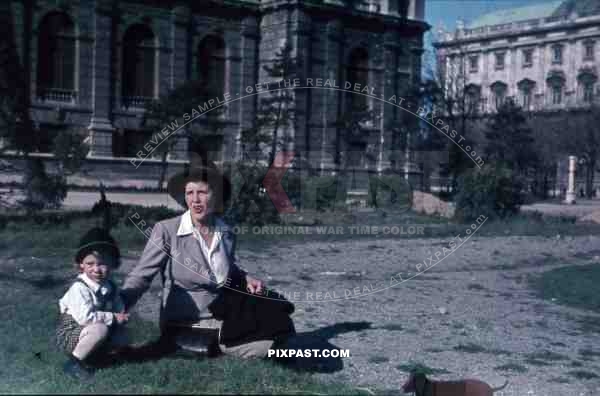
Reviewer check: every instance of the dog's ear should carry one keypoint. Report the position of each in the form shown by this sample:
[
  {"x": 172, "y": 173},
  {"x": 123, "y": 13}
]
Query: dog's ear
[{"x": 420, "y": 382}]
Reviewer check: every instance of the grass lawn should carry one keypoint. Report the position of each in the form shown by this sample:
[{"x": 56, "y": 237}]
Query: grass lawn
[
  {"x": 34, "y": 274},
  {"x": 575, "y": 285},
  {"x": 36, "y": 269}
]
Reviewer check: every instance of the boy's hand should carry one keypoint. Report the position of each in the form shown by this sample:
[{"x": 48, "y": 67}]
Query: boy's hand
[{"x": 121, "y": 317}]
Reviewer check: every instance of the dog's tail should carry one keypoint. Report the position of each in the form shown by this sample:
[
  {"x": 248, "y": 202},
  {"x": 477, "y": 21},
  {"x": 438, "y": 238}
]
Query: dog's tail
[{"x": 494, "y": 390}]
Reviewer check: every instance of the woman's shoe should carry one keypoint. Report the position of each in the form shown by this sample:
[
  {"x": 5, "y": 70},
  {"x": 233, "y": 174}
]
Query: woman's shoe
[{"x": 77, "y": 369}]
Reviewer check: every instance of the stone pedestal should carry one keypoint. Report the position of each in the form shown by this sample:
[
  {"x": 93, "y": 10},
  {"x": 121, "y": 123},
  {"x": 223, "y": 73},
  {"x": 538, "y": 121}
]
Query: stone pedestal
[
  {"x": 101, "y": 131},
  {"x": 571, "y": 193}
]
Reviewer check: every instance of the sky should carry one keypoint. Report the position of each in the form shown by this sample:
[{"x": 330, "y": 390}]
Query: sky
[{"x": 449, "y": 11}]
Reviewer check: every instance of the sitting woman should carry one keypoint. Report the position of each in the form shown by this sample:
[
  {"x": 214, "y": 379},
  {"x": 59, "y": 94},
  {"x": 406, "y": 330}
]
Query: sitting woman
[{"x": 209, "y": 304}]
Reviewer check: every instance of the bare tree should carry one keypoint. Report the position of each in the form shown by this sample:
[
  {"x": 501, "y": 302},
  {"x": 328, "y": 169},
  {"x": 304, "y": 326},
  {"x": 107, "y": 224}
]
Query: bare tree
[
  {"x": 446, "y": 91},
  {"x": 168, "y": 111}
]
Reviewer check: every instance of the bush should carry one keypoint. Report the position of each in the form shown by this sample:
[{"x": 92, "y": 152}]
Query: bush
[
  {"x": 314, "y": 192},
  {"x": 250, "y": 203},
  {"x": 491, "y": 191},
  {"x": 391, "y": 192},
  {"x": 42, "y": 191}
]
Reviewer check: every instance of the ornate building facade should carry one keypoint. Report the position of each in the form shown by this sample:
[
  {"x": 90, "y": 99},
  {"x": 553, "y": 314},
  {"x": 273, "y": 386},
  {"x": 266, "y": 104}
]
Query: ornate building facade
[
  {"x": 95, "y": 63},
  {"x": 544, "y": 56}
]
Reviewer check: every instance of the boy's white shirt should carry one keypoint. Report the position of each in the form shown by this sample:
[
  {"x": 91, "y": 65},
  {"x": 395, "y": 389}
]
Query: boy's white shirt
[{"x": 82, "y": 305}]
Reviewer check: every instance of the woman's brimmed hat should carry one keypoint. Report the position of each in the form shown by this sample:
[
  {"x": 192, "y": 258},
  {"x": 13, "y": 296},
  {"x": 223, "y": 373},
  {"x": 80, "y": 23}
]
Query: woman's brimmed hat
[
  {"x": 98, "y": 239},
  {"x": 206, "y": 171}
]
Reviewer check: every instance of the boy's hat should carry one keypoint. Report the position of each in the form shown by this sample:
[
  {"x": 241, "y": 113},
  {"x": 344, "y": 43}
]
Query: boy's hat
[
  {"x": 201, "y": 169},
  {"x": 98, "y": 239}
]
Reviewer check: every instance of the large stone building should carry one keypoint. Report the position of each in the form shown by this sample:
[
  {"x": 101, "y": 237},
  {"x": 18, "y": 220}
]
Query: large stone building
[
  {"x": 95, "y": 63},
  {"x": 545, "y": 55}
]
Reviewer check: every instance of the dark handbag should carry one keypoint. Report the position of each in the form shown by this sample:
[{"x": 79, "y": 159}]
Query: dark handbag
[{"x": 248, "y": 317}]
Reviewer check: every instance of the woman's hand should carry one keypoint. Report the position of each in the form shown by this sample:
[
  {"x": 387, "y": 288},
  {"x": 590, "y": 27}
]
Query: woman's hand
[
  {"x": 122, "y": 317},
  {"x": 254, "y": 286}
]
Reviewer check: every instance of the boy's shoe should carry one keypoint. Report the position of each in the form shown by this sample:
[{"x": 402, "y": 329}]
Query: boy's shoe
[{"x": 75, "y": 368}]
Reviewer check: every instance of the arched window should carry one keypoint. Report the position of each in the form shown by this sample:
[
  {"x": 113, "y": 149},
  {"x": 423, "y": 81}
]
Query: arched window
[
  {"x": 556, "y": 83},
  {"x": 472, "y": 98},
  {"x": 526, "y": 88},
  {"x": 357, "y": 72},
  {"x": 587, "y": 83},
  {"x": 211, "y": 64},
  {"x": 56, "y": 58},
  {"x": 499, "y": 90},
  {"x": 139, "y": 66}
]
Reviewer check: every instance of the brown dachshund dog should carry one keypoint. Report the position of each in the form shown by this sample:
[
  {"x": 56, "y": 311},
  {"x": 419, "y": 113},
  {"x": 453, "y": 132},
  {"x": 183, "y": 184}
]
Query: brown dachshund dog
[{"x": 421, "y": 386}]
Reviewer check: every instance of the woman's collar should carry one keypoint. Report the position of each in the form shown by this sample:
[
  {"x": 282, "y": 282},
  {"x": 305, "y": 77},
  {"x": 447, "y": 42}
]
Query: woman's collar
[{"x": 186, "y": 226}]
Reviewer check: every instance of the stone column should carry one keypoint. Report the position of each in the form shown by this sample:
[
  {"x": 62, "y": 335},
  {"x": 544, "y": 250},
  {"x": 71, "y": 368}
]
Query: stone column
[
  {"x": 571, "y": 194},
  {"x": 334, "y": 68},
  {"x": 248, "y": 76},
  {"x": 101, "y": 128},
  {"x": 180, "y": 22}
]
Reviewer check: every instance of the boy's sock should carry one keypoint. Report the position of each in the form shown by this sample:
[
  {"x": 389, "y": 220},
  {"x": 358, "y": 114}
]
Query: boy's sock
[{"x": 77, "y": 368}]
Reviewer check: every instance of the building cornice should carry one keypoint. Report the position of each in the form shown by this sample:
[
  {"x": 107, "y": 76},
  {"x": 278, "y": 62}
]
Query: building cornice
[
  {"x": 568, "y": 26},
  {"x": 349, "y": 17}
]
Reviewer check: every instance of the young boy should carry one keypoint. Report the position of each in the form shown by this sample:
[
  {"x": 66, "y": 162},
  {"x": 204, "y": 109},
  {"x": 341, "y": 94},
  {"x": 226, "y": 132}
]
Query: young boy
[{"x": 92, "y": 314}]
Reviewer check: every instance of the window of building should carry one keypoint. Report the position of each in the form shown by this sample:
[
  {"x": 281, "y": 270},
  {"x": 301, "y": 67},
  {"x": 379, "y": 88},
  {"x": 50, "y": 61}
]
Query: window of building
[
  {"x": 588, "y": 50},
  {"x": 526, "y": 88},
  {"x": 500, "y": 60},
  {"x": 473, "y": 99},
  {"x": 527, "y": 57},
  {"x": 557, "y": 54},
  {"x": 211, "y": 64},
  {"x": 357, "y": 72},
  {"x": 588, "y": 92},
  {"x": 499, "y": 90},
  {"x": 139, "y": 66},
  {"x": 587, "y": 83},
  {"x": 473, "y": 63},
  {"x": 56, "y": 58},
  {"x": 557, "y": 94},
  {"x": 556, "y": 83}
]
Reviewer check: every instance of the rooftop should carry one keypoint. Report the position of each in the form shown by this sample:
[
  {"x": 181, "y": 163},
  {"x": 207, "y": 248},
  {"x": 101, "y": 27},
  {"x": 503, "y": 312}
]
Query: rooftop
[{"x": 534, "y": 11}]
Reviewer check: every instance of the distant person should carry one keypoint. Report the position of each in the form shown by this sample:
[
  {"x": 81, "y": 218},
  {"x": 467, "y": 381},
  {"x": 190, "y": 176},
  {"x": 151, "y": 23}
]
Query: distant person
[{"x": 92, "y": 314}]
